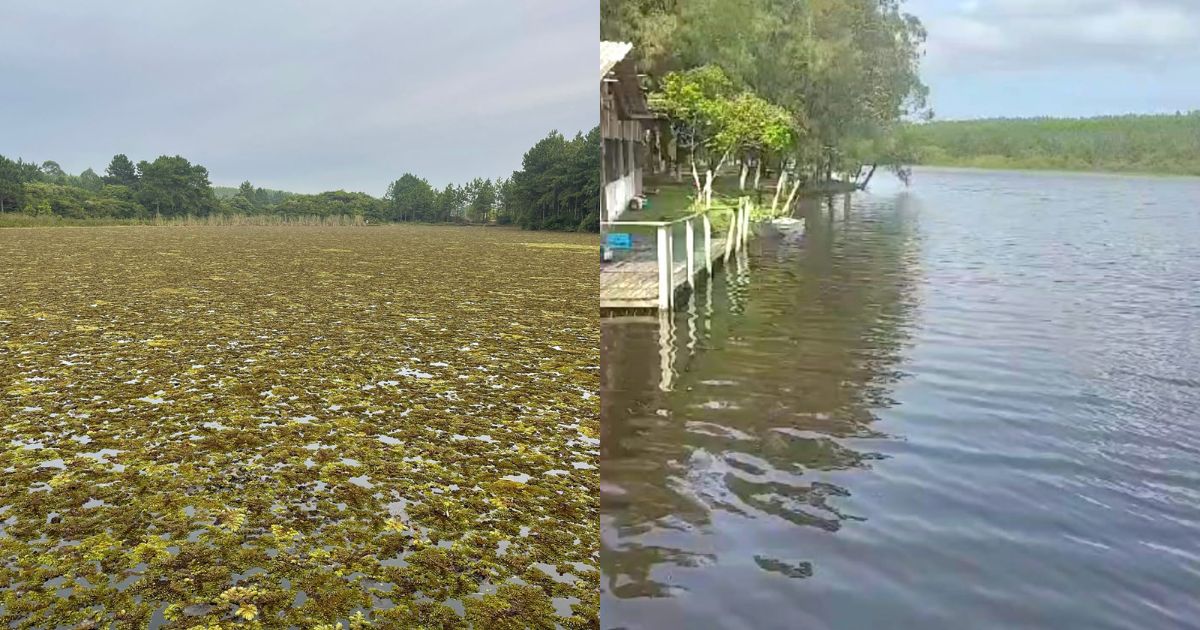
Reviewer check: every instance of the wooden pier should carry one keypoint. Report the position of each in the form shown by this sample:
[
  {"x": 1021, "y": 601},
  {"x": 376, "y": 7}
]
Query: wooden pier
[{"x": 650, "y": 278}]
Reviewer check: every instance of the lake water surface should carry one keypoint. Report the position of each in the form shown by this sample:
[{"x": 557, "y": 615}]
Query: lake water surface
[{"x": 973, "y": 403}]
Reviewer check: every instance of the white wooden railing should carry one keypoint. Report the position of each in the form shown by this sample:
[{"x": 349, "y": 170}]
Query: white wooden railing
[{"x": 735, "y": 238}]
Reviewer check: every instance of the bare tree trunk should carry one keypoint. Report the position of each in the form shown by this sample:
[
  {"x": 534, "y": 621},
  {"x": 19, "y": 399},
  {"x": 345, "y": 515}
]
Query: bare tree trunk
[
  {"x": 757, "y": 173},
  {"x": 742, "y": 177},
  {"x": 695, "y": 175},
  {"x": 791, "y": 197},
  {"x": 710, "y": 175},
  {"x": 783, "y": 175},
  {"x": 870, "y": 174}
]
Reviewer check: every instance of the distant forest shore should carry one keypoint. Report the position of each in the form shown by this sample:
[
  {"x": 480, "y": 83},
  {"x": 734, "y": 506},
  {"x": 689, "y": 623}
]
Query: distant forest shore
[
  {"x": 557, "y": 188},
  {"x": 1146, "y": 144}
]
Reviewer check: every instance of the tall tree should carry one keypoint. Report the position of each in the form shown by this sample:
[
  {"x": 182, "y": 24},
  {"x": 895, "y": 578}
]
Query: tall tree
[
  {"x": 121, "y": 172},
  {"x": 558, "y": 186},
  {"x": 448, "y": 202},
  {"x": 503, "y": 194},
  {"x": 482, "y": 200},
  {"x": 411, "y": 198},
  {"x": 847, "y": 71},
  {"x": 89, "y": 180},
  {"x": 172, "y": 186},
  {"x": 52, "y": 170},
  {"x": 11, "y": 190}
]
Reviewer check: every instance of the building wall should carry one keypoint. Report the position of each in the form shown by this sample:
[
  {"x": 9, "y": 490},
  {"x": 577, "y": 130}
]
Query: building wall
[{"x": 620, "y": 168}]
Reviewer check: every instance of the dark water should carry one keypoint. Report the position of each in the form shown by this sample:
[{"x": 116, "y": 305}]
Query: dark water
[{"x": 971, "y": 404}]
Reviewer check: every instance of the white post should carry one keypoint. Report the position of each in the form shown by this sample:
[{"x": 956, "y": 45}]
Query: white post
[
  {"x": 664, "y": 269},
  {"x": 731, "y": 234},
  {"x": 689, "y": 244},
  {"x": 741, "y": 221},
  {"x": 707, "y": 245},
  {"x": 666, "y": 350},
  {"x": 746, "y": 222}
]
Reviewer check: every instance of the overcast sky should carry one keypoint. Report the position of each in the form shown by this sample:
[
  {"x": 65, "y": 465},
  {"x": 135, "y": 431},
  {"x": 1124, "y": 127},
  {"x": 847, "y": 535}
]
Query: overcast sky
[
  {"x": 1061, "y": 57},
  {"x": 301, "y": 96}
]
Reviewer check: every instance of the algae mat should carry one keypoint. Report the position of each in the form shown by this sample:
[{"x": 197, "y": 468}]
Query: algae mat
[{"x": 298, "y": 428}]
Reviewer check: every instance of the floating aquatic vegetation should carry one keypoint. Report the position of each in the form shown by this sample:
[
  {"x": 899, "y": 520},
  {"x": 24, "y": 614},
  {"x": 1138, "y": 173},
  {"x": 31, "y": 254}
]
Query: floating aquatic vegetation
[{"x": 298, "y": 428}]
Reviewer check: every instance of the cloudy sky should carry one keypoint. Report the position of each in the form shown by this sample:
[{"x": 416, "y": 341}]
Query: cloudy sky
[
  {"x": 303, "y": 96},
  {"x": 1061, "y": 57}
]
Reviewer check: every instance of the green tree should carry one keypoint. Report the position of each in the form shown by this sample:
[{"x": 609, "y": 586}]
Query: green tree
[
  {"x": 12, "y": 193},
  {"x": 121, "y": 172},
  {"x": 411, "y": 199},
  {"x": 753, "y": 127},
  {"x": 89, "y": 180},
  {"x": 482, "y": 201},
  {"x": 558, "y": 186},
  {"x": 503, "y": 189},
  {"x": 52, "y": 170},
  {"x": 449, "y": 200},
  {"x": 698, "y": 101},
  {"x": 172, "y": 186},
  {"x": 846, "y": 71}
]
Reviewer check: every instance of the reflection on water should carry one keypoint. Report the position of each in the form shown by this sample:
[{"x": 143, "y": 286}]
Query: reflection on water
[
  {"x": 747, "y": 424},
  {"x": 882, "y": 422}
]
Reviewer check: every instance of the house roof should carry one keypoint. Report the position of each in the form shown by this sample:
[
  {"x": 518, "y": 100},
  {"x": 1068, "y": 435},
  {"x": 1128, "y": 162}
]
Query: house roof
[
  {"x": 611, "y": 53},
  {"x": 628, "y": 94}
]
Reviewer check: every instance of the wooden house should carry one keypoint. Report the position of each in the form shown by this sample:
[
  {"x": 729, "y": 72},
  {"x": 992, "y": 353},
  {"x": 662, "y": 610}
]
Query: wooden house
[{"x": 624, "y": 121}]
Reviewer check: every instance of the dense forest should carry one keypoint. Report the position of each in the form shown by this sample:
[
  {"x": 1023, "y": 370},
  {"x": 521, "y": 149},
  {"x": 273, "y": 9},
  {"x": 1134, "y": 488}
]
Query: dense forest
[
  {"x": 1166, "y": 144},
  {"x": 557, "y": 188},
  {"x": 810, "y": 88}
]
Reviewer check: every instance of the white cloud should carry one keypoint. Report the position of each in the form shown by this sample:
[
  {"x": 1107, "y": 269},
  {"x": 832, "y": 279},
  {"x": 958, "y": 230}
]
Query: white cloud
[
  {"x": 1038, "y": 34},
  {"x": 321, "y": 96}
]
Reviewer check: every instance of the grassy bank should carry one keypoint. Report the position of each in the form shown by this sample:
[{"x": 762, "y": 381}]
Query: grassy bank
[
  {"x": 670, "y": 199},
  {"x": 1151, "y": 145},
  {"x": 1002, "y": 163}
]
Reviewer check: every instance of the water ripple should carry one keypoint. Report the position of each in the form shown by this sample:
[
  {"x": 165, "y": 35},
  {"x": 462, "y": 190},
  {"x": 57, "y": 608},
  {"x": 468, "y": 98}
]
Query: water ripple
[{"x": 972, "y": 401}]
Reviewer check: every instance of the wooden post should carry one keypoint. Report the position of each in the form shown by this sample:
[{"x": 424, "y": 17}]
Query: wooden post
[
  {"x": 707, "y": 245},
  {"x": 664, "y": 268},
  {"x": 689, "y": 244}
]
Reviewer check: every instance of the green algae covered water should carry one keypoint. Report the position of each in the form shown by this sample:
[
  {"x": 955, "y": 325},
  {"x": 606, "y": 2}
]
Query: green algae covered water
[
  {"x": 291, "y": 427},
  {"x": 974, "y": 403}
]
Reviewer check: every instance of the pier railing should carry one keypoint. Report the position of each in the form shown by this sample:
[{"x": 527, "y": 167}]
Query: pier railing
[{"x": 647, "y": 262}]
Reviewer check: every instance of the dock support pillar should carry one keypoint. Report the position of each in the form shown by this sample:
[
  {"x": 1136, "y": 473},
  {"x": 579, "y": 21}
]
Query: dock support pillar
[
  {"x": 745, "y": 220},
  {"x": 707, "y": 245},
  {"x": 689, "y": 244},
  {"x": 665, "y": 281},
  {"x": 731, "y": 235}
]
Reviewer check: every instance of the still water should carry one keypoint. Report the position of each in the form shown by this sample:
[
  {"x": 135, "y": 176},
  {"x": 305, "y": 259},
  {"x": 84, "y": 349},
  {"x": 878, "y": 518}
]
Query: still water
[{"x": 973, "y": 403}]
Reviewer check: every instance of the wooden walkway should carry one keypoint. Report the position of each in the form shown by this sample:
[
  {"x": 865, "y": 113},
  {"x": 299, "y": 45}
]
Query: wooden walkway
[
  {"x": 632, "y": 284},
  {"x": 648, "y": 281}
]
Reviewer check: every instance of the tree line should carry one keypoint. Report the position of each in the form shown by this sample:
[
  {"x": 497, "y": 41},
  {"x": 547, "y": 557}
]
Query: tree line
[
  {"x": 1162, "y": 144},
  {"x": 811, "y": 89},
  {"x": 557, "y": 188}
]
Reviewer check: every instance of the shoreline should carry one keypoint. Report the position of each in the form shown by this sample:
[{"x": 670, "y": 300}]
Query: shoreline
[
  {"x": 37, "y": 224},
  {"x": 1050, "y": 171}
]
